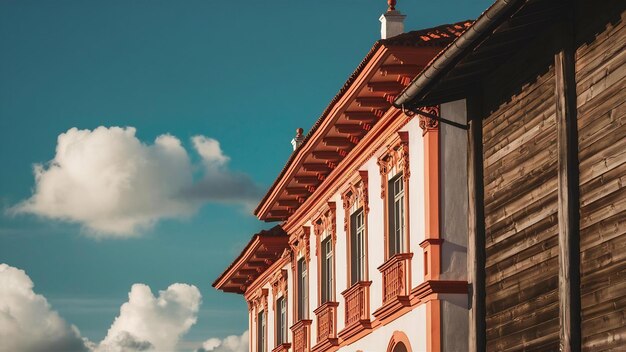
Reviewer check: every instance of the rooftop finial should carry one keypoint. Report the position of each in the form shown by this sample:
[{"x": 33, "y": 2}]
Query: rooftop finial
[
  {"x": 298, "y": 139},
  {"x": 392, "y": 5}
]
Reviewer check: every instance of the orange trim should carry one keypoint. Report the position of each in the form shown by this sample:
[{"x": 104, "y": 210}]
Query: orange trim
[
  {"x": 326, "y": 326},
  {"x": 356, "y": 193},
  {"x": 301, "y": 335},
  {"x": 395, "y": 158},
  {"x": 283, "y": 347},
  {"x": 386, "y": 128},
  {"x": 432, "y": 243},
  {"x": 357, "y": 309},
  {"x": 433, "y": 325},
  {"x": 326, "y": 222},
  {"x": 399, "y": 337}
]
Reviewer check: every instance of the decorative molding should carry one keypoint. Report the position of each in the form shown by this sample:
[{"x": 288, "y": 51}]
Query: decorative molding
[
  {"x": 326, "y": 222},
  {"x": 300, "y": 245},
  {"x": 279, "y": 284},
  {"x": 356, "y": 193},
  {"x": 258, "y": 302},
  {"x": 428, "y": 123},
  {"x": 396, "y": 156}
]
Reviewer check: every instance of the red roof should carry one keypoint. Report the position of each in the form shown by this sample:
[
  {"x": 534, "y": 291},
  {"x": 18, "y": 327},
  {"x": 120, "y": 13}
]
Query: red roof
[
  {"x": 438, "y": 37},
  {"x": 261, "y": 252}
]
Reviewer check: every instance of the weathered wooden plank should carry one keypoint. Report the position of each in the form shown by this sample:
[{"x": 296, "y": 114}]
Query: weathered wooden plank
[
  {"x": 606, "y": 39},
  {"x": 543, "y": 333},
  {"x": 476, "y": 227},
  {"x": 603, "y": 277},
  {"x": 506, "y": 315},
  {"x": 535, "y": 163},
  {"x": 605, "y": 341},
  {"x": 522, "y": 240},
  {"x": 599, "y": 82},
  {"x": 519, "y": 114},
  {"x": 602, "y": 125},
  {"x": 523, "y": 260},
  {"x": 604, "y": 230},
  {"x": 521, "y": 156},
  {"x": 531, "y": 215},
  {"x": 523, "y": 285},
  {"x": 605, "y": 102},
  {"x": 603, "y": 185},
  {"x": 568, "y": 199}
]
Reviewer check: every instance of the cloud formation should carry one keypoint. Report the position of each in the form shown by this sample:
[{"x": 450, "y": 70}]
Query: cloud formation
[
  {"x": 114, "y": 185},
  {"x": 27, "y": 323},
  {"x": 145, "y": 322},
  {"x": 231, "y": 343},
  {"x": 149, "y": 323}
]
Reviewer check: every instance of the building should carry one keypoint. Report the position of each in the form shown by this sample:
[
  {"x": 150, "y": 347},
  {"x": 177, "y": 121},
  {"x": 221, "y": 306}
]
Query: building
[
  {"x": 370, "y": 253},
  {"x": 545, "y": 88}
]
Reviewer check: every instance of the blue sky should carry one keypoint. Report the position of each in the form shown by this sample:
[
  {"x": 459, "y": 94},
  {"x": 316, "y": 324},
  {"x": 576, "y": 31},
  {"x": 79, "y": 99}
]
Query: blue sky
[{"x": 245, "y": 73}]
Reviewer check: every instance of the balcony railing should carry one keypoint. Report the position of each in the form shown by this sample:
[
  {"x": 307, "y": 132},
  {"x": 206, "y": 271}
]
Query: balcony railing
[
  {"x": 326, "y": 321},
  {"x": 396, "y": 277},
  {"x": 301, "y": 335},
  {"x": 357, "y": 302}
]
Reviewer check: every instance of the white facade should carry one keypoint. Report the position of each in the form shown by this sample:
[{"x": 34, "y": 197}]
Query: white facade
[{"x": 414, "y": 320}]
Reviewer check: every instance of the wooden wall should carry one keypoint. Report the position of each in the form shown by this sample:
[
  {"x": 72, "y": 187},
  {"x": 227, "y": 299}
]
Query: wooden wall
[
  {"x": 601, "y": 90},
  {"x": 520, "y": 195}
]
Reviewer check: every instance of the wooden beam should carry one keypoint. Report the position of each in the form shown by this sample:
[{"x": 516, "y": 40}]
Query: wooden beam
[
  {"x": 291, "y": 203},
  {"x": 326, "y": 155},
  {"x": 296, "y": 191},
  {"x": 316, "y": 167},
  {"x": 385, "y": 87},
  {"x": 568, "y": 193},
  {"x": 373, "y": 102},
  {"x": 352, "y": 129},
  {"x": 396, "y": 69},
  {"x": 307, "y": 180},
  {"x": 361, "y": 116},
  {"x": 341, "y": 142},
  {"x": 476, "y": 227},
  {"x": 279, "y": 212}
]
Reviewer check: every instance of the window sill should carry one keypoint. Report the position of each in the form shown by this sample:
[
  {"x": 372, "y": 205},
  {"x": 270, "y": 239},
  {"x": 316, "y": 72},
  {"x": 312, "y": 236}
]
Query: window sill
[{"x": 283, "y": 347}]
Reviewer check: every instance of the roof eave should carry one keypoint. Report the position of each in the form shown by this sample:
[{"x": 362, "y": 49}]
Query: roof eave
[{"x": 443, "y": 62}]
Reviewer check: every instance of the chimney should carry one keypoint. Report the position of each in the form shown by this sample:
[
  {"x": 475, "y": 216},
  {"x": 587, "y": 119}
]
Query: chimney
[
  {"x": 392, "y": 21},
  {"x": 298, "y": 139}
]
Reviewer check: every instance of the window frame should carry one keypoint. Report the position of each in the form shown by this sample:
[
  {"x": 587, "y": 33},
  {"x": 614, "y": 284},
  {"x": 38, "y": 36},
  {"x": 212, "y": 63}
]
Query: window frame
[
  {"x": 394, "y": 163},
  {"x": 355, "y": 199},
  {"x": 302, "y": 279},
  {"x": 281, "y": 320}
]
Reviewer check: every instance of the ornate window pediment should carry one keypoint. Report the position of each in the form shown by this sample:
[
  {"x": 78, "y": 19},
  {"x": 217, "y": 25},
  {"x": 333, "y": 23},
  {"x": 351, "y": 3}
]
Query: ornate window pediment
[
  {"x": 354, "y": 197},
  {"x": 326, "y": 224},
  {"x": 394, "y": 160}
]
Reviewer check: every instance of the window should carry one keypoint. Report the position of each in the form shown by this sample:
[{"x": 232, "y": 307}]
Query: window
[
  {"x": 357, "y": 246},
  {"x": 261, "y": 332},
  {"x": 396, "y": 215},
  {"x": 303, "y": 288},
  {"x": 327, "y": 270},
  {"x": 281, "y": 321}
]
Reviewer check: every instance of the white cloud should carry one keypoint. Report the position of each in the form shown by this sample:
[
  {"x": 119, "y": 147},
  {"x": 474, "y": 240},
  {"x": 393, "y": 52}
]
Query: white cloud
[
  {"x": 149, "y": 323},
  {"x": 233, "y": 343},
  {"x": 145, "y": 322},
  {"x": 114, "y": 185},
  {"x": 27, "y": 323}
]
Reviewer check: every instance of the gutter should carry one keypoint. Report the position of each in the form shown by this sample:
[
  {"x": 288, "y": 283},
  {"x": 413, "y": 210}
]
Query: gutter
[{"x": 447, "y": 58}]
